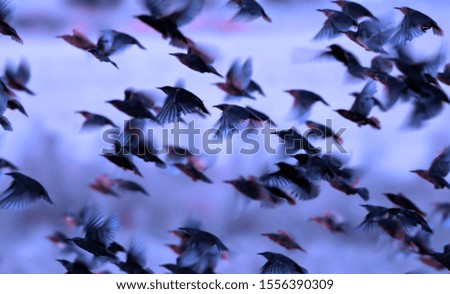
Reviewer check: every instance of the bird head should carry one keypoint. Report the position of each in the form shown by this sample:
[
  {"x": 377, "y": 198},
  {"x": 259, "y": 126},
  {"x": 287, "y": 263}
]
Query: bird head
[
  {"x": 222, "y": 107},
  {"x": 178, "y": 55},
  {"x": 405, "y": 10},
  {"x": 167, "y": 89}
]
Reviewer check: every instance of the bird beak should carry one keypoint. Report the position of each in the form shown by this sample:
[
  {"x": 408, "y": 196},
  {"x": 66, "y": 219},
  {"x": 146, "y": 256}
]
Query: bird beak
[
  {"x": 399, "y": 8},
  {"x": 173, "y": 54},
  {"x": 321, "y": 10}
]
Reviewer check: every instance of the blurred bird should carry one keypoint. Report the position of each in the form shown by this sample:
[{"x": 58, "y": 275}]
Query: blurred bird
[
  {"x": 100, "y": 233},
  {"x": 95, "y": 120},
  {"x": 444, "y": 76},
  {"x": 248, "y": 10},
  {"x": 359, "y": 119},
  {"x": 18, "y": 78},
  {"x": 122, "y": 161},
  {"x": 342, "y": 186},
  {"x": 78, "y": 40},
  {"x": 371, "y": 35},
  {"x": 295, "y": 142},
  {"x": 192, "y": 172},
  {"x": 442, "y": 208},
  {"x": 5, "y": 95},
  {"x": 5, "y": 18},
  {"x": 195, "y": 62},
  {"x": 133, "y": 106},
  {"x": 77, "y": 267},
  {"x": 239, "y": 81},
  {"x": 438, "y": 170},
  {"x": 104, "y": 185},
  {"x": 330, "y": 221},
  {"x": 280, "y": 264},
  {"x": 318, "y": 168},
  {"x": 284, "y": 239},
  {"x": 444, "y": 257},
  {"x": 354, "y": 9},
  {"x": 403, "y": 202},
  {"x": 179, "y": 101},
  {"x": 5, "y": 164},
  {"x": 235, "y": 118},
  {"x": 131, "y": 186},
  {"x": 14, "y": 104},
  {"x": 303, "y": 102},
  {"x": 321, "y": 131},
  {"x": 348, "y": 59},
  {"x": 166, "y": 16},
  {"x": 22, "y": 192},
  {"x": 413, "y": 25},
  {"x": 202, "y": 251},
  {"x": 111, "y": 42},
  {"x": 337, "y": 23},
  {"x": 395, "y": 88},
  {"x": 135, "y": 262}
]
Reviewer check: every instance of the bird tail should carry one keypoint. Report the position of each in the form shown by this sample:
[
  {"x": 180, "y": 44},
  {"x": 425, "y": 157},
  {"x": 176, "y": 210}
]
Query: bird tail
[
  {"x": 374, "y": 122},
  {"x": 4, "y": 122},
  {"x": 363, "y": 192}
]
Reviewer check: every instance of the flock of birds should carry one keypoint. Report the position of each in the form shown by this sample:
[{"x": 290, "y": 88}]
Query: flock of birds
[{"x": 298, "y": 177}]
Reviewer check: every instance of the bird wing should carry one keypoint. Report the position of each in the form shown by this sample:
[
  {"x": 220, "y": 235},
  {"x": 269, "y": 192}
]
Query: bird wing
[
  {"x": 441, "y": 164},
  {"x": 17, "y": 197},
  {"x": 5, "y": 11},
  {"x": 328, "y": 31},
  {"x": 408, "y": 29},
  {"x": 188, "y": 12},
  {"x": 23, "y": 72},
  {"x": 240, "y": 76},
  {"x": 169, "y": 112}
]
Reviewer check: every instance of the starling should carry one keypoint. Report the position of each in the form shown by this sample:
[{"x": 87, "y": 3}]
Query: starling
[
  {"x": 239, "y": 81},
  {"x": 6, "y": 164},
  {"x": 166, "y": 19},
  {"x": 437, "y": 171},
  {"x": 5, "y": 96},
  {"x": 318, "y": 168},
  {"x": 99, "y": 236},
  {"x": 303, "y": 102},
  {"x": 76, "y": 267},
  {"x": 284, "y": 239},
  {"x": 235, "y": 118},
  {"x": 14, "y": 104},
  {"x": 444, "y": 76},
  {"x": 403, "y": 202},
  {"x": 354, "y": 67},
  {"x": 22, "y": 192},
  {"x": 295, "y": 142},
  {"x": 95, "y": 120},
  {"x": 135, "y": 262},
  {"x": 179, "y": 101},
  {"x": 342, "y": 186},
  {"x": 280, "y": 264},
  {"x": 128, "y": 185},
  {"x": 249, "y": 10},
  {"x": 134, "y": 107},
  {"x": 78, "y": 40},
  {"x": 354, "y": 9},
  {"x": 413, "y": 25},
  {"x": 395, "y": 88},
  {"x": 321, "y": 131},
  {"x": 5, "y": 16},
  {"x": 195, "y": 62},
  {"x": 337, "y": 23},
  {"x": 330, "y": 221},
  {"x": 191, "y": 171},
  {"x": 371, "y": 36},
  {"x": 359, "y": 119},
  {"x": 122, "y": 161},
  {"x": 104, "y": 185},
  {"x": 17, "y": 79}
]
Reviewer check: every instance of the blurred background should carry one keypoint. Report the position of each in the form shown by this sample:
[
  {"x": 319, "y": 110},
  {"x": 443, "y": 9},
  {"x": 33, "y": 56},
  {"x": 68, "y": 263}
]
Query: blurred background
[{"x": 50, "y": 147}]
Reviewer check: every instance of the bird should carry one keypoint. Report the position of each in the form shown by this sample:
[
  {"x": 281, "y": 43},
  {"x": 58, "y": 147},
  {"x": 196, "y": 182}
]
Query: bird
[
  {"x": 403, "y": 202},
  {"x": 303, "y": 102},
  {"x": 128, "y": 185},
  {"x": 235, "y": 118},
  {"x": 5, "y": 96},
  {"x": 342, "y": 186},
  {"x": 202, "y": 251},
  {"x": 371, "y": 35},
  {"x": 248, "y": 10},
  {"x": 134, "y": 107},
  {"x": 284, "y": 239},
  {"x": 438, "y": 170},
  {"x": 330, "y": 221},
  {"x": 359, "y": 119},
  {"x": 135, "y": 261},
  {"x": 5, "y": 16},
  {"x": 94, "y": 120},
  {"x": 22, "y": 192},
  {"x": 395, "y": 88},
  {"x": 354, "y": 9},
  {"x": 104, "y": 185},
  {"x": 280, "y": 264},
  {"x": 348, "y": 59},
  {"x": 318, "y": 130},
  {"x": 100, "y": 234},
  {"x": 75, "y": 267},
  {"x": 195, "y": 62},
  {"x": 444, "y": 76},
  {"x": 239, "y": 81},
  {"x": 122, "y": 161},
  {"x": 413, "y": 25},
  {"x": 295, "y": 142},
  {"x": 78, "y": 40},
  {"x": 7, "y": 164},
  {"x": 15, "y": 104},
  {"x": 166, "y": 16},
  {"x": 337, "y": 23},
  {"x": 191, "y": 171},
  {"x": 179, "y": 101},
  {"x": 17, "y": 78}
]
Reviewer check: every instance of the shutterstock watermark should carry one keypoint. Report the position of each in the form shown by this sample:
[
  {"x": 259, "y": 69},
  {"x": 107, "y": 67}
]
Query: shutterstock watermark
[{"x": 249, "y": 140}]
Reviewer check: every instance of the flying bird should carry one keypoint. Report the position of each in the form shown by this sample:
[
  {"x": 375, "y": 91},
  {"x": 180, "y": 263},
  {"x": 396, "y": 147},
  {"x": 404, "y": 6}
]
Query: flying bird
[
  {"x": 94, "y": 120},
  {"x": 321, "y": 131},
  {"x": 235, "y": 118},
  {"x": 413, "y": 25},
  {"x": 22, "y": 192},
  {"x": 403, "y": 202},
  {"x": 303, "y": 102},
  {"x": 280, "y": 264},
  {"x": 330, "y": 221},
  {"x": 337, "y": 23},
  {"x": 294, "y": 142},
  {"x": 133, "y": 106},
  {"x": 17, "y": 78},
  {"x": 248, "y": 10},
  {"x": 5, "y": 18},
  {"x": 135, "y": 261},
  {"x": 354, "y": 9},
  {"x": 5, "y": 96},
  {"x": 195, "y": 62},
  {"x": 284, "y": 239},
  {"x": 192, "y": 171},
  {"x": 131, "y": 186},
  {"x": 438, "y": 170}
]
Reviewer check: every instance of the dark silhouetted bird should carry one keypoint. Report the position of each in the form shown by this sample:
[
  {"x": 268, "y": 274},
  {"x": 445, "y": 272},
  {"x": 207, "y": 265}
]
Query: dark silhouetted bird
[
  {"x": 303, "y": 102},
  {"x": 444, "y": 76},
  {"x": 111, "y": 42},
  {"x": 179, "y": 101},
  {"x": 6, "y": 164},
  {"x": 135, "y": 261},
  {"x": 413, "y": 25},
  {"x": 100, "y": 233},
  {"x": 294, "y": 142},
  {"x": 337, "y": 23},
  {"x": 444, "y": 257},
  {"x": 301, "y": 184},
  {"x": 284, "y": 239},
  {"x": 403, "y": 202},
  {"x": 318, "y": 168},
  {"x": 5, "y": 96},
  {"x": 354, "y": 67},
  {"x": 248, "y": 10},
  {"x": 17, "y": 78},
  {"x": 330, "y": 221},
  {"x": 192, "y": 172},
  {"x": 77, "y": 267},
  {"x": 239, "y": 81},
  {"x": 95, "y": 120},
  {"x": 5, "y": 17},
  {"x": 354, "y": 9},
  {"x": 395, "y": 88},
  {"x": 133, "y": 106},
  {"x": 166, "y": 16},
  {"x": 14, "y": 104},
  {"x": 202, "y": 251},
  {"x": 439, "y": 168},
  {"x": 195, "y": 62},
  {"x": 235, "y": 118},
  {"x": 78, "y": 40},
  {"x": 131, "y": 186},
  {"x": 321, "y": 131},
  {"x": 359, "y": 119},
  {"x": 371, "y": 35},
  {"x": 178, "y": 270},
  {"x": 123, "y": 162},
  {"x": 104, "y": 185},
  {"x": 342, "y": 186},
  {"x": 22, "y": 192},
  {"x": 280, "y": 264}
]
